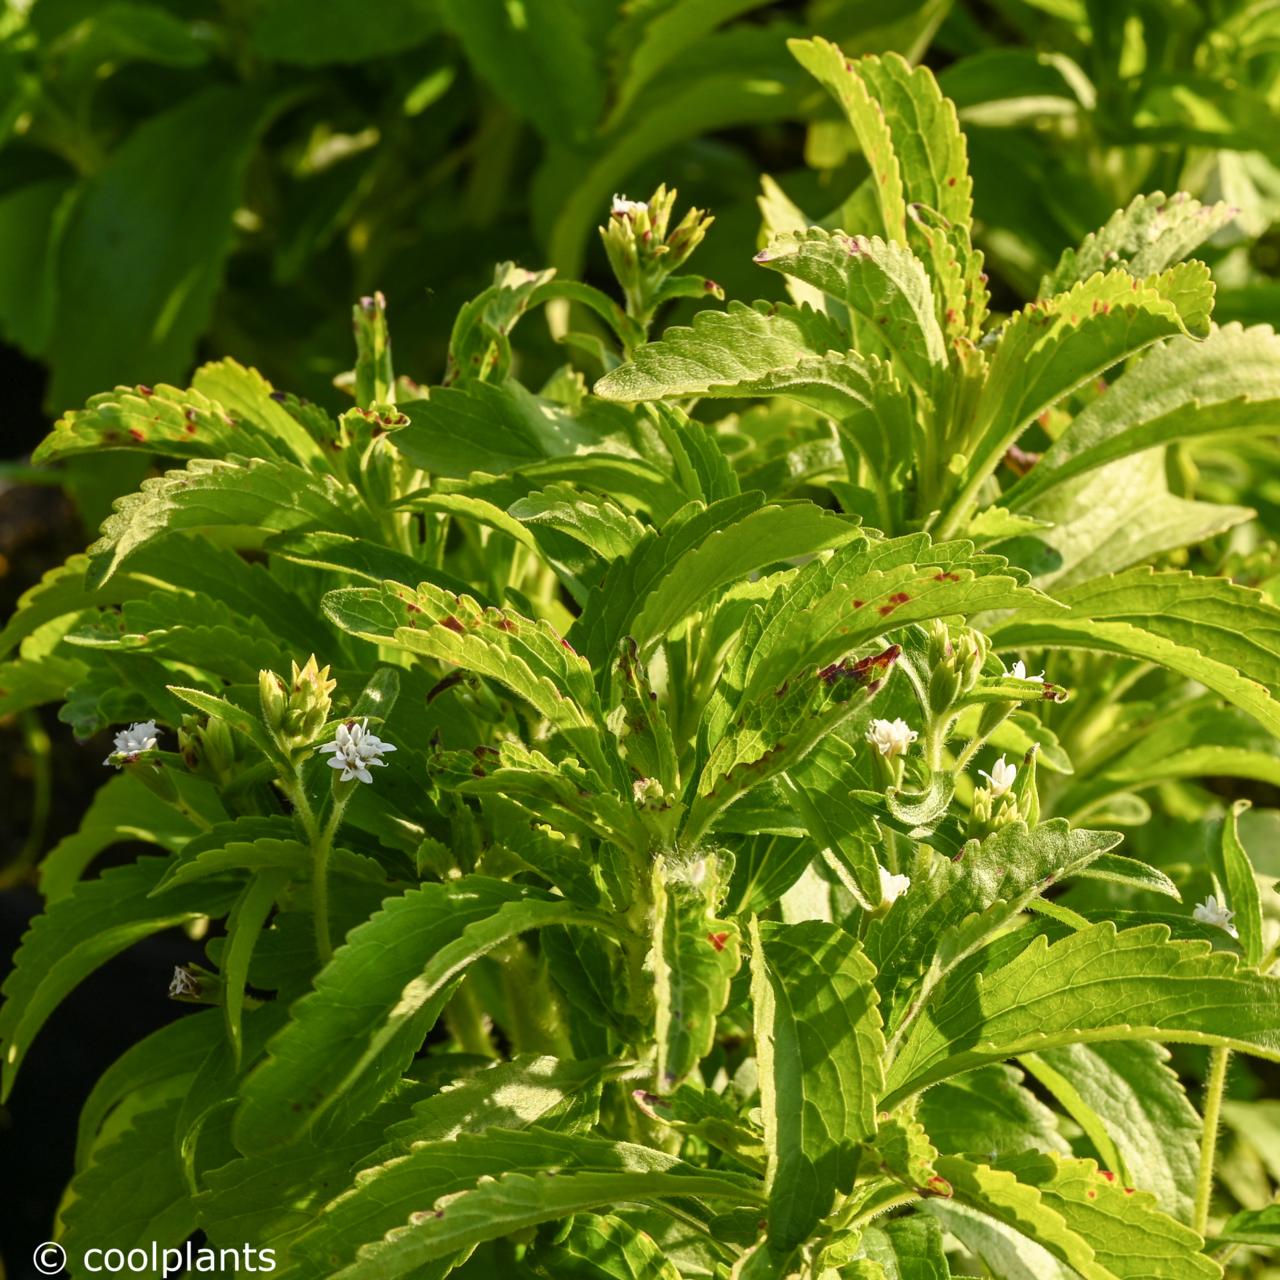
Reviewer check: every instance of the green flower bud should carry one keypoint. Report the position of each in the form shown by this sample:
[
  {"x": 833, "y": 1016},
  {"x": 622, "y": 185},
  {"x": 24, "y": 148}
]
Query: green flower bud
[
  {"x": 644, "y": 256},
  {"x": 273, "y": 695},
  {"x": 309, "y": 701}
]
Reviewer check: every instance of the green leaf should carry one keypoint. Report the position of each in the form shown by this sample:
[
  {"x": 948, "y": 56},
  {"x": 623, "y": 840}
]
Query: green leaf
[
  {"x": 485, "y": 426},
  {"x": 602, "y": 1248},
  {"x": 727, "y": 554},
  {"x": 207, "y": 493},
  {"x": 1095, "y": 984},
  {"x": 117, "y": 33},
  {"x": 835, "y": 820},
  {"x": 170, "y": 564},
  {"x": 267, "y": 1199},
  {"x": 1183, "y": 390},
  {"x": 1130, "y": 1236},
  {"x": 375, "y": 1002},
  {"x": 132, "y": 1193},
  {"x": 291, "y": 31},
  {"x": 908, "y": 1249},
  {"x": 1134, "y": 1110},
  {"x": 163, "y": 203},
  {"x": 955, "y": 906},
  {"x": 206, "y": 635},
  {"x": 359, "y": 558},
  {"x": 820, "y": 1052},
  {"x": 1084, "y": 1219},
  {"x": 1149, "y": 235},
  {"x": 445, "y": 1197},
  {"x": 183, "y": 424},
  {"x": 831, "y": 607},
  {"x": 124, "y": 809},
  {"x": 174, "y": 1052},
  {"x": 561, "y": 794},
  {"x": 539, "y": 60},
  {"x": 549, "y": 1092},
  {"x": 1236, "y": 871},
  {"x": 1129, "y": 871},
  {"x": 1050, "y": 348},
  {"x": 600, "y": 525},
  {"x": 525, "y": 656},
  {"x": 913, "y": 145},
  {"x": 989, "y": 1112},
  {"x": 1224, "y": 636},
  {"x": 32, "y": 217},
  {"x": 774, "y": 732},
  {"x": 1258, "y": 1227},
  {"x": 251, "y": 402},
  {"x": 33, "y": 682},
  {"x": 884, "y": 288},
  {"x": 1004, "y": 1251},
  {"x": 695, "y": 957},
  {"x": 736, "y": 352},
  {"x": 1113, "y": 518},
  {"x": 96, "y": 921},
  {"x": 1189, "y": 738},
  {"x": 244, "y": 924}
]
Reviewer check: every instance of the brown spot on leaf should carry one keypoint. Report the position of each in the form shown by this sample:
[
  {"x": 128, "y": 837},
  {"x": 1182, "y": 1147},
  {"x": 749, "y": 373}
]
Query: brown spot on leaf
[
  {"x": 864, "y": 670},
  {"x": 718, "y": 940},
  {"x": 453, "y": 624}
]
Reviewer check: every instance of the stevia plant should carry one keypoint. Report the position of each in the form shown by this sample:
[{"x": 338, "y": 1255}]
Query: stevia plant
[{"x": 638, "y": 843}]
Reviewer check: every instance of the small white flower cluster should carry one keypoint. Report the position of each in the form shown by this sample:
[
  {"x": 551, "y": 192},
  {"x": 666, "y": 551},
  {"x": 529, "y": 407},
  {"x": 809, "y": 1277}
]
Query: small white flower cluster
[
  {"x": 1213, "y": 912},
  {"x": 1001, "y": 777},
  {"x": 132, "y": 742},
  {"x": 647, "y": 792},
  {"x": 892, "y": 887},
  {"x": 891, "y": 738},
  {"x": 624, "y": 208},
  {"x": 355, "y": 749}
]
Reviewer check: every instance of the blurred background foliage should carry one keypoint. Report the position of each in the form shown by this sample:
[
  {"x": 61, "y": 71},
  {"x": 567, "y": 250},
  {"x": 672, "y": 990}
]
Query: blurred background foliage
[{"x": 183, "y": 178}]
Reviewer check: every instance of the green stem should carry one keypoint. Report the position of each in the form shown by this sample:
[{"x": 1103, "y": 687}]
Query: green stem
[
  {"x": 1214, "y": 1088},
  {"x": 321, "y": 847},
  {"x": 466, "y": 1022}
]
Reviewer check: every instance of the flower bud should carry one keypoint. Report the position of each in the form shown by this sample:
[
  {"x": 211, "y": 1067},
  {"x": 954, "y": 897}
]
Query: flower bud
[
  {"x": 273, "y": 695},
  {"x": 309, "y": 701},
  {"x": 956, "y": 664},
  {"x": 644, "y": 256}
]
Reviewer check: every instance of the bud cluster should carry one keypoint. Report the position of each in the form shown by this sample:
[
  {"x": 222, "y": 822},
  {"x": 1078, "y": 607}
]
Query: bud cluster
[
  {"x": 296, "y": 712},
  {"x": 644, "y": 255},
  {"x": 955, "y": 664}
]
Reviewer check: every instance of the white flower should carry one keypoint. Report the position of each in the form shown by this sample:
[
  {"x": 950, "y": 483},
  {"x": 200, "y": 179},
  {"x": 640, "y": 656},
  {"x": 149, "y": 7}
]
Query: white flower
[
  {"x": 183, "y": 983},
  {"x": 1001, "y": 777},
  {"x": 647, "y": 792},
  {"x": 355, "y": 749},
  {"x": 892, "y": 887},
  {"x": 624, "y": 208},
  {"x": 1019, "y": 671},
  {"x": 1211, "y": 911},
  {"x": 132, "y": 742},
  {"x": 891, "y": 737}
]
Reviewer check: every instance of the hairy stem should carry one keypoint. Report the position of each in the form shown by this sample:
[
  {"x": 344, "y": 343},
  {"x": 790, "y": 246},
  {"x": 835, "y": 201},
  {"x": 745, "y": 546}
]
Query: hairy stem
[
  {"x": 1214, "y": 1088},
  {"x": 321, "y": 847}
]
